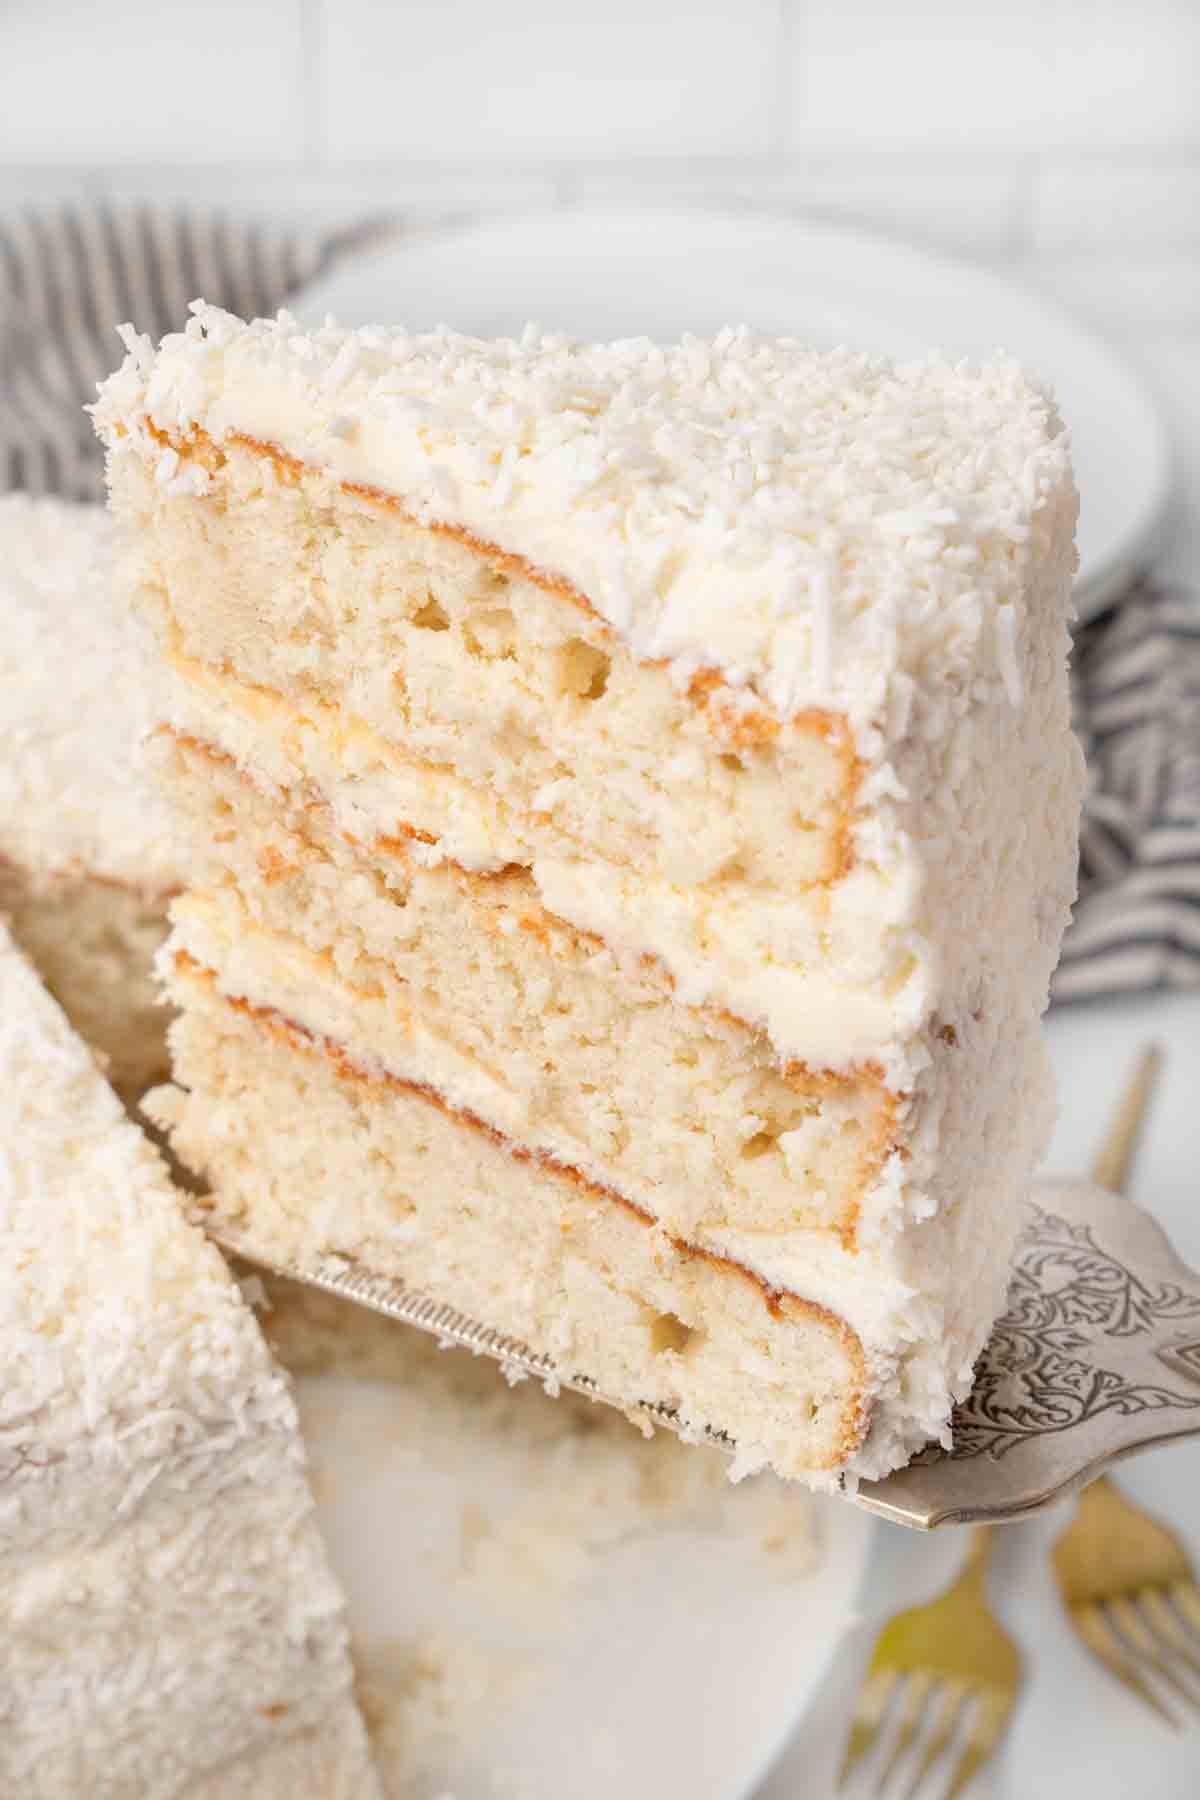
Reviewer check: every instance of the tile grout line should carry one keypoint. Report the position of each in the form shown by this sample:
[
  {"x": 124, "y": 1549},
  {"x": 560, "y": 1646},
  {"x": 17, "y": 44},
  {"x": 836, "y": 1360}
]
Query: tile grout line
[
  {"x": 313, "y": 132},
  {"x": 782, "y": 96}
]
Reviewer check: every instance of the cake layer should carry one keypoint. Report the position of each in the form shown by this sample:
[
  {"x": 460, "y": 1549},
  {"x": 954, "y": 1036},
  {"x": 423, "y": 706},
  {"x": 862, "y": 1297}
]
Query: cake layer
[
  {"x": 919, "y": 1297},
  {"x": 912, "y": 1285},
  {"x": 321, "y": 1763},
  {"x": 307, "y": 1156},
  {"x": 818, "y": 970},
  {"x": 465, "y": 983},
  {"x": 93, "y": 943},
  {"x": 474, "y": 663},
  {"x": 813, "y": 524}
]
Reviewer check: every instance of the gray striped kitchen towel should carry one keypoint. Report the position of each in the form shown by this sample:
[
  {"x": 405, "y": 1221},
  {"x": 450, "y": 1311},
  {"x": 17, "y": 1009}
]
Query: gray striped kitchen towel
[
  {"x": 1136, "y": 690},
  {"x": 68, "y": 277}
]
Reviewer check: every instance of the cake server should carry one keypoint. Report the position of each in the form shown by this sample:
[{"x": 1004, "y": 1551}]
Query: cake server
[{"x": 1096, "y": 1356}]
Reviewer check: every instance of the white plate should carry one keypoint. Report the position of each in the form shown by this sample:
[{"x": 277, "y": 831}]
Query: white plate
[
  {"x": 608, "y": 275},
  {"x": 677, "y": 1662}
]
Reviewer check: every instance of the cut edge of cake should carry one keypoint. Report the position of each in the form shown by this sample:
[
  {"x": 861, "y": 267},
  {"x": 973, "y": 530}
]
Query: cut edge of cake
[{"x": 87, "y": 857}]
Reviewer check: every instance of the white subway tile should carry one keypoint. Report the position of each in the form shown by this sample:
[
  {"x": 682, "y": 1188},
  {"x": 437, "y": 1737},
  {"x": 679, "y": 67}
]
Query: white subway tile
[
  {"x": 198, "y": 83},
  {"x": 1122, "y": 203},
  {"x": 1025, "y": 74},
  {"x": 449, "y": 79}
]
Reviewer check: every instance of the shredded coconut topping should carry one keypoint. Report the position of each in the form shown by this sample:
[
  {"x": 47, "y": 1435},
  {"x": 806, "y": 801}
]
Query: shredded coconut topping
[
  {"x": 76, "y": 697},
  {"x": 811, "y": 523},
  {"x": 165, "y": 1601}
]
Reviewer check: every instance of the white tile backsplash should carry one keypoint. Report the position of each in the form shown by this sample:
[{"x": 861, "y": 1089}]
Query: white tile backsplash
[
  {"x": 454, "y": 78},
  {"x": 1018, "y": 75},
  {"x": 988, "y": 127},
  {"x": 141, "y": 80}
]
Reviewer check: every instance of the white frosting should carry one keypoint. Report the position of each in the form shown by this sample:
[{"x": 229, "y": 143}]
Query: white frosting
[
  {"x": 163, "y": 1581},
  {"x": 825, "y": 527},
  {"x": 76, "y": 697}
]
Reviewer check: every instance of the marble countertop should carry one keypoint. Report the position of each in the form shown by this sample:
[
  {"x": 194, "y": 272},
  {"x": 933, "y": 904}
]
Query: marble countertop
[{"x": 1076, "y": 1731}]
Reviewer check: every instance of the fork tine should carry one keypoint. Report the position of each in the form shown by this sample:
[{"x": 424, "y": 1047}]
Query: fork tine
[
  {"x": 1186, "y": 1596},
  {"x": 1098, "y": 1635},
  {"x": 1132, "y": 1626},
  {"x": 954, "y": 1698},
  {"x": 1169, "y": 1628},
  {"x": 869, "y": 1708},
  {"x": 917, "y": 1693},
  {"x": 991, "y": 1717}
]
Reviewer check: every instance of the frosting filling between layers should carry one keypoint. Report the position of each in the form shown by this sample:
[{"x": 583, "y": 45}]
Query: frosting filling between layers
[
  {"x": 263, "y": 971},
  {"x": 469, "y": 982},
  {"x": 802, "y": 968}
]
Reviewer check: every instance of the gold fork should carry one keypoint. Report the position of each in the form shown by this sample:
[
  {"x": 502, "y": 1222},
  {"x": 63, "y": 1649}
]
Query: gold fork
[
  {"x": 952, "y": 1655},
  {"x": 950, "y": 1652},
  {"x": 1130, "y": 1593},
  {"x": 1126, "y": 1582}
]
